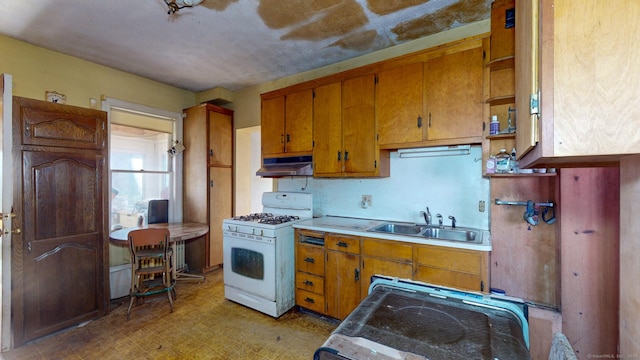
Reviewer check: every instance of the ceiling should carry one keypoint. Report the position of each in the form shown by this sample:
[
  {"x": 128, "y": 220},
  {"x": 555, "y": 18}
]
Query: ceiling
[{"x": 228, "y": 43}]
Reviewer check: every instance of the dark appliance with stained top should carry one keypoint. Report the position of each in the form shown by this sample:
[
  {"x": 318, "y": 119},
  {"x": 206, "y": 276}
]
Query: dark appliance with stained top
[{"x": 413, "y": 320}]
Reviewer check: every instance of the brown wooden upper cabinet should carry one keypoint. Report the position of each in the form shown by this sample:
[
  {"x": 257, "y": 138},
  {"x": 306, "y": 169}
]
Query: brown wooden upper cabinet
[
  {"x": 287, "y": 124},
  {"x": 586, "y": 70},
  {"x": 344, "y": 130},
  {"x": 438, "y": 101}
]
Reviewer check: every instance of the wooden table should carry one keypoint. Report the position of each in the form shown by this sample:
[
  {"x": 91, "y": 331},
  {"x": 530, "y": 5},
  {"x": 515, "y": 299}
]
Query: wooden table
[{"x": 178, "y": 232}]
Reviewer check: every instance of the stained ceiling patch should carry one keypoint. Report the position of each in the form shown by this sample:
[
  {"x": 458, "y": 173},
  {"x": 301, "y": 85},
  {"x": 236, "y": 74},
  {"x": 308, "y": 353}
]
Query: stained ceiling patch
[
  {"x": 384, "y": 7},
  {"x": 359, "y": 41},
  {"x": 462, "y": 12},
  {"x": 337, "y": 21}
]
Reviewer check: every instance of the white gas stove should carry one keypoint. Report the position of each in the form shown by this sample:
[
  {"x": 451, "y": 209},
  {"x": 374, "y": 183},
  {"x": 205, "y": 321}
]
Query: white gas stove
[{"x": 259, "y": 246}]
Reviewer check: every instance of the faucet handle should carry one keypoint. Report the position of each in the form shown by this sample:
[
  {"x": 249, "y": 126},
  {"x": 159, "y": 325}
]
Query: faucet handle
[
  {"x": 439, "y": 216},
  {"x": 453, "y": 221}
]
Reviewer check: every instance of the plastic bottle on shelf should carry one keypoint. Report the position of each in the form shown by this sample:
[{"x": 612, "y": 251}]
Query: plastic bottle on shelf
[
  {"x": 491, "y": 165},
  {"x": 494, "y": 125},
  {"x": 515, "y": 168},
  {"x": 503, "y": 162}
]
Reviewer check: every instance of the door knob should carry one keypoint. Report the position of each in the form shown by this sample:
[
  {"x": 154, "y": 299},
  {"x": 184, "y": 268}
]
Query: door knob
[{"x": 14, "y": 232}]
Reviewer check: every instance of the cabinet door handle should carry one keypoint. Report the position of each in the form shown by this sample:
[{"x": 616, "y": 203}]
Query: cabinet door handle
[
  {"x": 211, "y": 152},
  {"x": 419, "y": 121},
  {"x": 288, "y": 138},
  {"x": 308, "y": 283},
  {"x": 429, "y": 119},
  {"x": 346, "y": 155},
  {"x": 310, "y": 300},
  {"x": 356, "y": 274},
  {"x": 310, "y": 260},
  {"x": 342, "y": 244},
  {"x": 339, "y": 155},
  {"x": 282, "y": 139}
]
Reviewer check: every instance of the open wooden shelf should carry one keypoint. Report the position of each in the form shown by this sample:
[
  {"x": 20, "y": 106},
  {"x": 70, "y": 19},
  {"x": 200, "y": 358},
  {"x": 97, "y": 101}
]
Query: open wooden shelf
[
  {"x": 501, "y": 63},
  {"x": 502, "y": 136},
  {"x": 502, "y": 100}
]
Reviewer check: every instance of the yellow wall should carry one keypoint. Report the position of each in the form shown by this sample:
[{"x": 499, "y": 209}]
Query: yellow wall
[
  {"x": 36, "y": 70},
  {"x": 246, "y": 102}
]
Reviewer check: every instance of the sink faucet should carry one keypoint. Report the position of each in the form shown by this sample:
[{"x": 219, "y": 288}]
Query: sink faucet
[
  {"x": 453, "y": 221},
  {"x": 427, "y": 216},
  {"x": 439, "y": 220}
]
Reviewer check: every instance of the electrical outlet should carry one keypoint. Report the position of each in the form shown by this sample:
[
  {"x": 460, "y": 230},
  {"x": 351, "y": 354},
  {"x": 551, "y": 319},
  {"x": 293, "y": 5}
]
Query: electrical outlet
[
  {"x": 366, "y": 199},
  {"x": 481, "y": 206}
]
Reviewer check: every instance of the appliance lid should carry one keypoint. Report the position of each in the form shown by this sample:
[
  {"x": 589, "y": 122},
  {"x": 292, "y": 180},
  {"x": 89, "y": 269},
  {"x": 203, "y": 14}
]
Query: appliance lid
[{"x": 286, "y": 166}]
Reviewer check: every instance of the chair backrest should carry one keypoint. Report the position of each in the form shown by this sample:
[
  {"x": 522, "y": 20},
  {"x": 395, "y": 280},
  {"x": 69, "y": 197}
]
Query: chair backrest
[
  {"x": 158, "y": 211},
  {"x": 149, "y": 237}
]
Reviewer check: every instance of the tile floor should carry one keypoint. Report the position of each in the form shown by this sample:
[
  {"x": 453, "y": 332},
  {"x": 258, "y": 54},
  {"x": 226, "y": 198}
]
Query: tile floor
[{"x": 203, "y": 325}]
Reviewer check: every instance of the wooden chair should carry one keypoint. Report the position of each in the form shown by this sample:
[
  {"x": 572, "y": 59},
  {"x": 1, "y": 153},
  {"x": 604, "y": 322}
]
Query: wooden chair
[{"x": 151, "y": 268}]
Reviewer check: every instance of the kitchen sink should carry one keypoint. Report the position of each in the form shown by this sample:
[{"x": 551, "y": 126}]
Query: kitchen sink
[
  {"x": 451, "y": 234},
  {"x": 401, "y": 229}
]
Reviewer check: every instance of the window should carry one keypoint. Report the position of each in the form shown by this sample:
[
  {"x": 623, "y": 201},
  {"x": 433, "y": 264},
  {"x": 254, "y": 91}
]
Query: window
[{"x": 140, "y": 166}]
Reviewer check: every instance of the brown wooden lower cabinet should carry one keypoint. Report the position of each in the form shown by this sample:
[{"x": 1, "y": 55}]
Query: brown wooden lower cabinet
[
  {"x": 459, "y": 268},
  {"x": 334, "y": 278}
]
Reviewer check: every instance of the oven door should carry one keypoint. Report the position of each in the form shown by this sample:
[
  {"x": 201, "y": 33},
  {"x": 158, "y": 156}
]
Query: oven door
[{"x": 249, "y": 263}]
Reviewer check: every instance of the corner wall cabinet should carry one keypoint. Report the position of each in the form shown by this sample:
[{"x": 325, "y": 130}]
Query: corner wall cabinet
[
  {"x": 208, "y": 179},
  {"x": 333, "y": 276},
  {"x": 586, "y": 84}
]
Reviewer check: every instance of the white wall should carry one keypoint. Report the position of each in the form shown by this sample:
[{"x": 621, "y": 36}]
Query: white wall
[
  {"x": 249, "y": 187},
  {"x": 449, "y": 185}
]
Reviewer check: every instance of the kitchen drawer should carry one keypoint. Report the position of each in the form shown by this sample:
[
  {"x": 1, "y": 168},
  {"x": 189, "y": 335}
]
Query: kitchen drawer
[
  {"x": 455, "y": 279},
  {"x": 452, "y": 259},
  {"x": 310, "y": 282},
  {"x": 310, "y": 259},
  {"x": 350, "y": 244},
  {"x": 390, "y": 250},
  {"x": 311, "y": 301}
]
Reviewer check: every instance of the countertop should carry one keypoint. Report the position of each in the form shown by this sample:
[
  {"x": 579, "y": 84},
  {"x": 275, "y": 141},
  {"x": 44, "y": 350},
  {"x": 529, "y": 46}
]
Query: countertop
[{"x": 360, "y": 227}]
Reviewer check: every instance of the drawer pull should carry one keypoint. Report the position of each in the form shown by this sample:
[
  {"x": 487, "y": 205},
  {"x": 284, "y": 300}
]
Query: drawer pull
[
  {"x": 342, "y": 244},
  {"x": 310, "y": 260},
  {"x": 308, "y": 283},
  {"x": 310, "y": 300}
]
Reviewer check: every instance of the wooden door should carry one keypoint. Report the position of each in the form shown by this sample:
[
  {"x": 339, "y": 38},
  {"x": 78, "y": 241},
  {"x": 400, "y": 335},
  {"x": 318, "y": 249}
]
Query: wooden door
[
  {"x": 220, "y": 137},
  {"x": 272, "y": 128},
  {"x": 358, "y": 125},
  {"x": 453, "y": 87},
  {"x": 526, "y": 60},
  {"x": 220, "y": 202},
  {"x": 298, "y": 122},
  {"x": 399, "y": 104},
  {"x": 327, "y": 130},
  {"x": 342, "y": 281},
  {"x": 58, "y": 261}
]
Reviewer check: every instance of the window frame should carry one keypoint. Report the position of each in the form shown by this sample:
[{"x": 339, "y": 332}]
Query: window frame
[{"x": 176, "y": 164}]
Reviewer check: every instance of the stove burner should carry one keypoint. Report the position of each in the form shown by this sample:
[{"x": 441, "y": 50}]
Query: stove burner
[
  {"x": 280, "y": 219},
  {"x": 267, "y": 218}
]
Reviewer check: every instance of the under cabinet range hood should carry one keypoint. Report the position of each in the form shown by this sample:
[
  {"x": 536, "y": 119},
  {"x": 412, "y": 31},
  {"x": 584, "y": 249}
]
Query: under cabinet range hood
[{"x": 286, "y": 166}]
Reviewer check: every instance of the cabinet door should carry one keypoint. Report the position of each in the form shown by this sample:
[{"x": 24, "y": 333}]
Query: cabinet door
[
  {"x": 453, "y": 87},
  {"x": 298, "y": 122},
  {"x": 327, "y": 130},
  {"x": 220, "y": 138},
  {"x": 272, "y": 127},
  {"x": 358, "y": 126},
  {"x": 49, "y": 124},
  {"x": 220, "y": 208},
  {"x": 399, "y": 105},
  {"x": 380, "y": 266},
  {"x": 526, "y": 60},
  {"x": 342, "y": 281}
]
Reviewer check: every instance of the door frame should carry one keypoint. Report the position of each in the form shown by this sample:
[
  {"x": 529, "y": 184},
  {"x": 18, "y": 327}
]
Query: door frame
[{"x": 6, "y": 199}]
